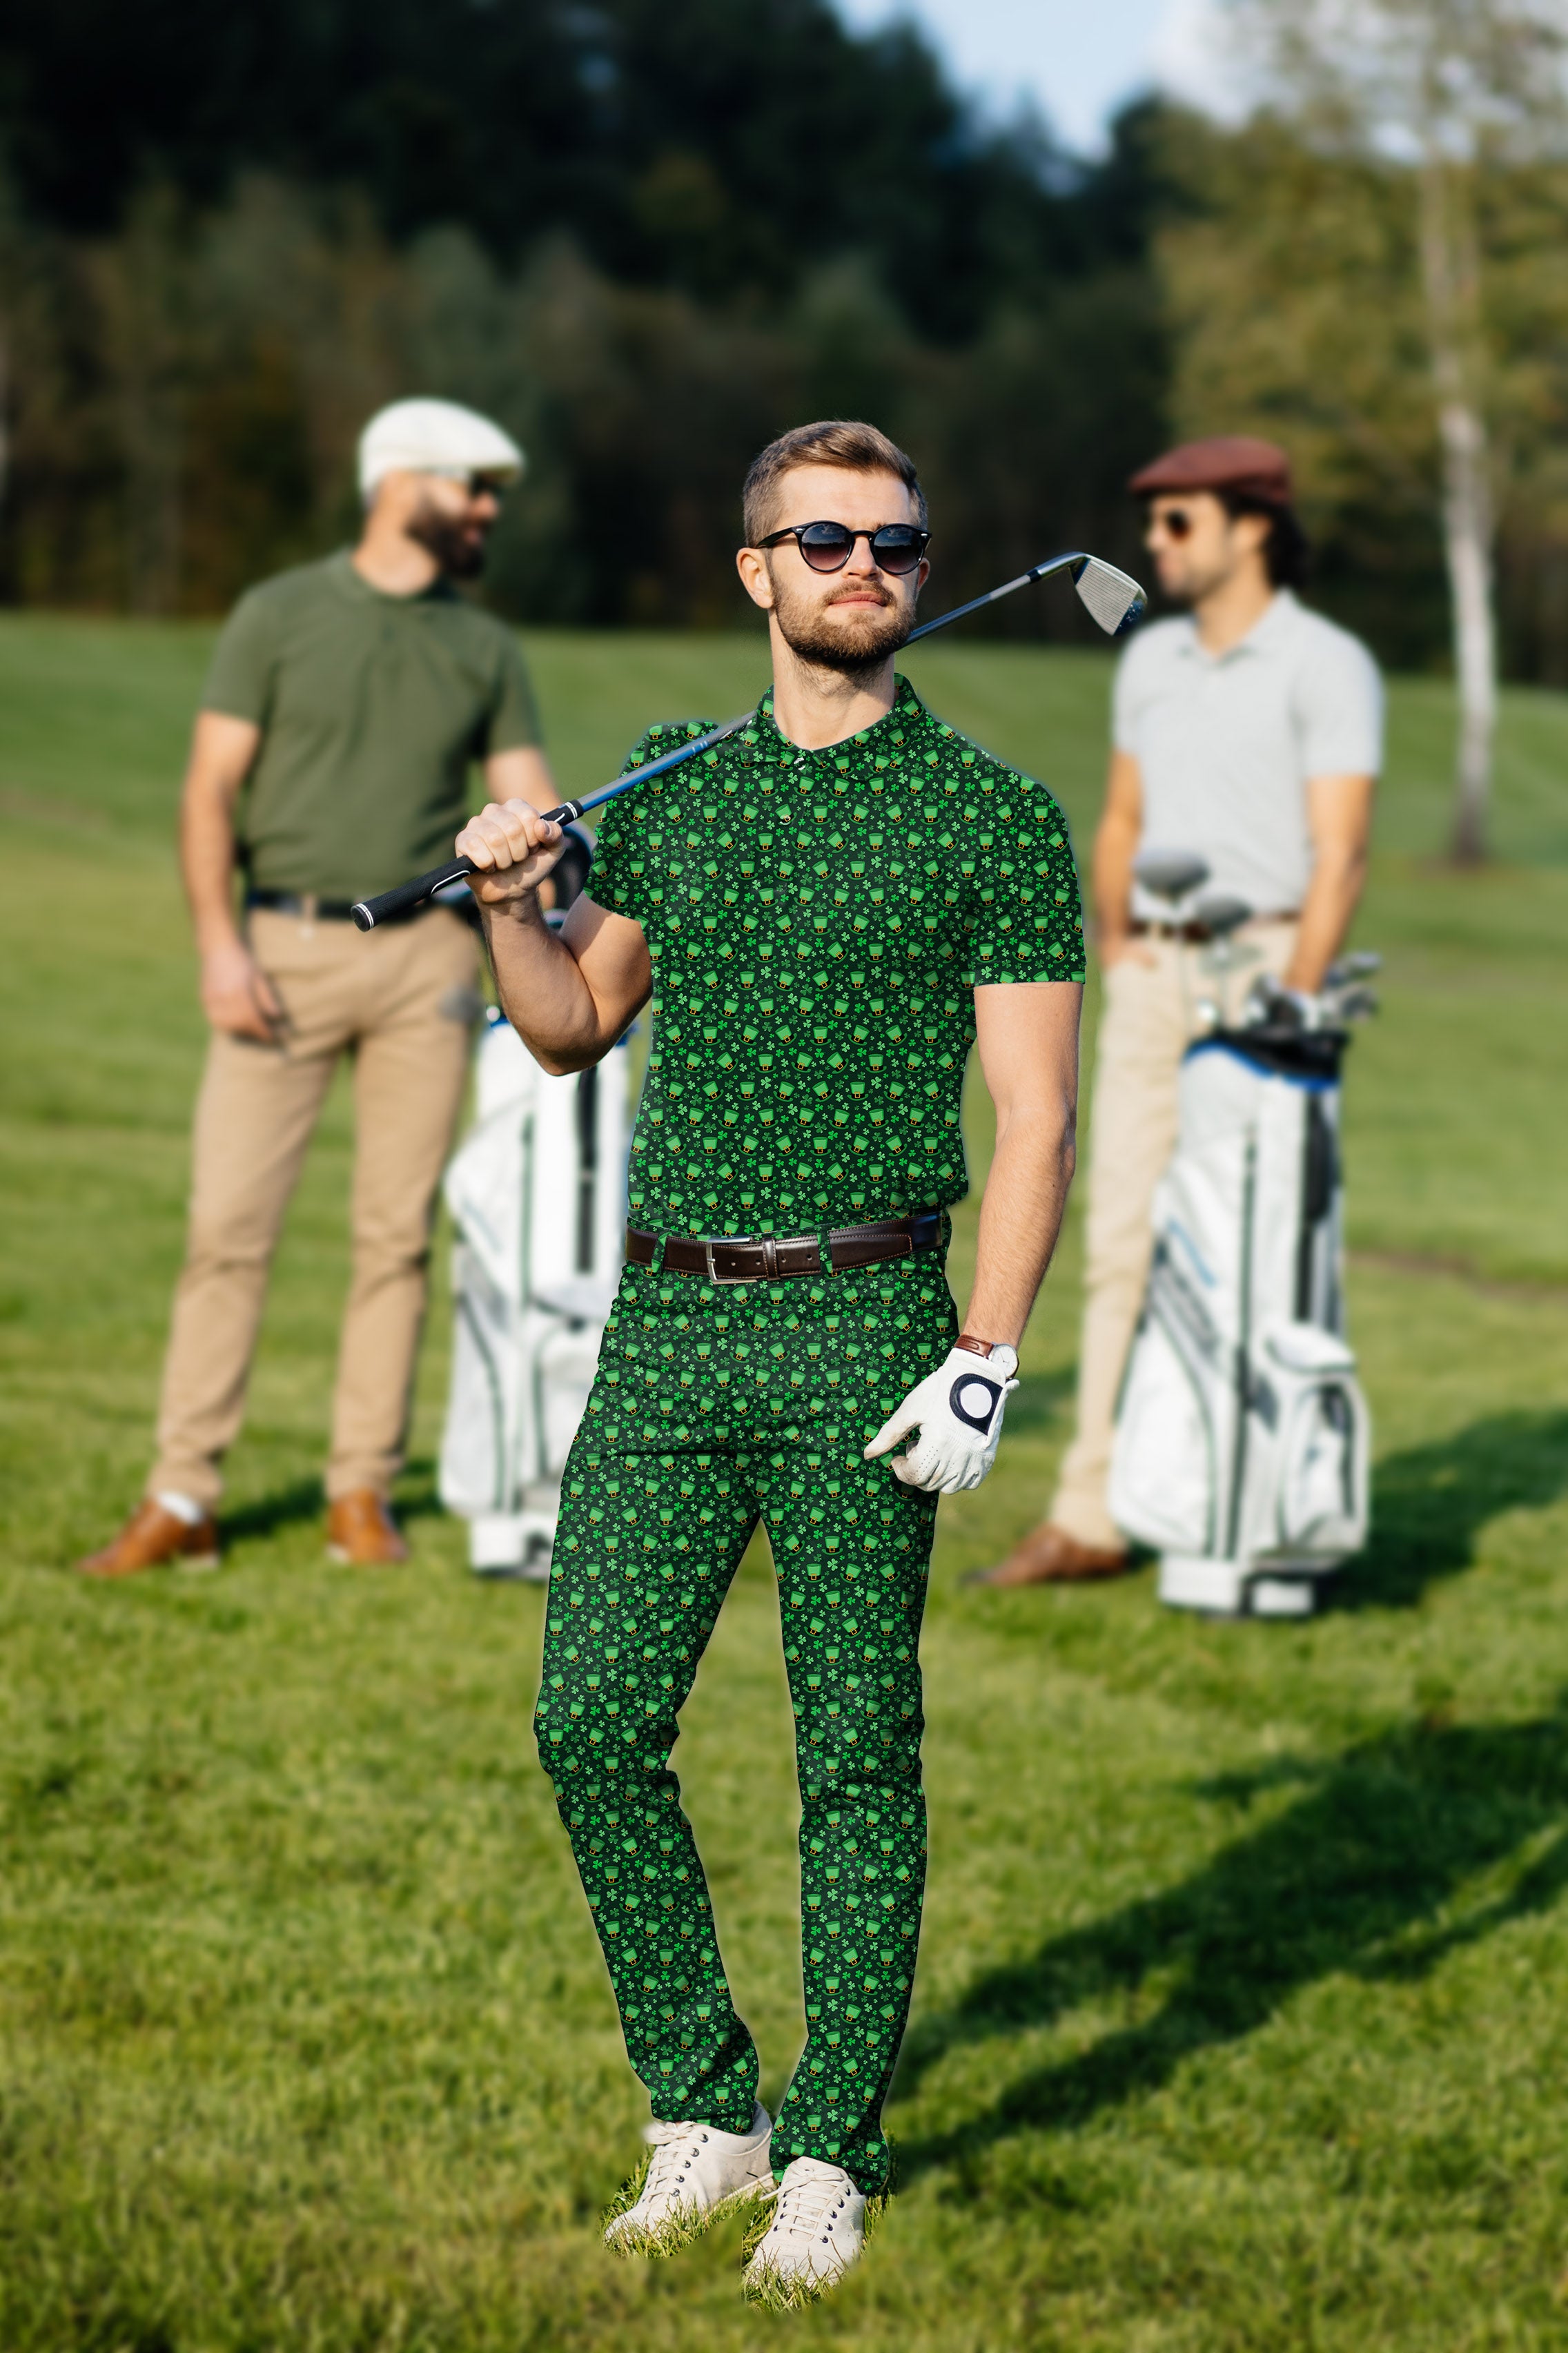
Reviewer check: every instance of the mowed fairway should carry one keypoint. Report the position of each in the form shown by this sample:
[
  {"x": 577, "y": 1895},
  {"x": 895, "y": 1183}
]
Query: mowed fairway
[{"x": 1243, "y": 2011}]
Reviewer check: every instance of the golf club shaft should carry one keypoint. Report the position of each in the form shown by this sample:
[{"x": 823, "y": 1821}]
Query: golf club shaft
[
  {"x": 409, "y": 895},
  {"x": 1039, "y": 571},
  {"x": 368, "y": 913}
]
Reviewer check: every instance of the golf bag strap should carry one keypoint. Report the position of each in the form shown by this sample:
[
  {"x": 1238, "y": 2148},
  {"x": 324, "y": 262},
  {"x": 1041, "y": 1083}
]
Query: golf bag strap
[{"x": 764, "y": 1258}]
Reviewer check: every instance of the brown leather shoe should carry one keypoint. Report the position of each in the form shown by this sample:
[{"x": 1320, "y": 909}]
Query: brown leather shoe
[
  {"x": 152, "y": 1538},
  {"x": 1049, "y": 1555},
  {"x": 362, "y": 1531}
]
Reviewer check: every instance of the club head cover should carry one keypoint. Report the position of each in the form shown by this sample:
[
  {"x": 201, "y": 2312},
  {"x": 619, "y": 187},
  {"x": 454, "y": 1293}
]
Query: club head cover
[{"x": 958, "y": 1412}]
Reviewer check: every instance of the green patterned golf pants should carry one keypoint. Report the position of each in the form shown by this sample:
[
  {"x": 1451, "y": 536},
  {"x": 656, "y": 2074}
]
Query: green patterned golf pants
[{"x": 649, "y": 1541}]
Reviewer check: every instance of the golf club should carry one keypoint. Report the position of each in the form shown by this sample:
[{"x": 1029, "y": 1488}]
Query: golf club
[
  {"x": 1173, "y": 875},
  {"x": 1111, "y": 597},
  {"x": 1114, "y": 599},
  {"x": 1169, "y": 873},
  {"x": 402, "y": 900},
  {"x": 1340, "y": 1001}
]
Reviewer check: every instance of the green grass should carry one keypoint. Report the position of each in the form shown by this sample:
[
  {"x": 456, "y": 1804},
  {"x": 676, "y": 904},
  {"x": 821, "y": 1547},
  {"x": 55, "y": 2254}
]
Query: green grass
[{"x": 1239, "y": 2022}]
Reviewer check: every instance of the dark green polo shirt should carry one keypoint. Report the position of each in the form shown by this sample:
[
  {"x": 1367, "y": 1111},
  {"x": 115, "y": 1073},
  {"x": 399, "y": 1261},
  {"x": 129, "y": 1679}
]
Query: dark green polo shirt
[
  {"x": 817, "y": 921},
  {"x": 371, "y": 709}
]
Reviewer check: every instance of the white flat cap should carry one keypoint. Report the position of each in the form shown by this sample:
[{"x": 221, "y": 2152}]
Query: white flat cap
[{"x": 435, "y": 436}]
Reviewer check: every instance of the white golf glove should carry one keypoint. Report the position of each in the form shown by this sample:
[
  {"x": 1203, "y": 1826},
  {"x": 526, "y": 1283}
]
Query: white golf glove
[{"x": 957, "y": 1411}]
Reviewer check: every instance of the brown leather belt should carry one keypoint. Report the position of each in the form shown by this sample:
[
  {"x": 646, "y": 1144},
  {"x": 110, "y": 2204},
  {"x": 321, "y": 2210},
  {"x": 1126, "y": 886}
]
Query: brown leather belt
[
  {"x": 763, "y": 1258},
  {"x": 1199, "y": 935}
]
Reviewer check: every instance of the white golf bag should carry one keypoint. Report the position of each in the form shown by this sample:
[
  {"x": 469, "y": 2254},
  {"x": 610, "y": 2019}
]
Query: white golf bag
[
  {"x": 538, "y": 1191},
  {"x": 1243, "y": 1439}
]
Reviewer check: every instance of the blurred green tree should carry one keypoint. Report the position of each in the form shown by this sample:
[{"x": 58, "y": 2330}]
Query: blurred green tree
[
  {"x": 1379, "y": 267},
  {"x": 647, "y": 233}
]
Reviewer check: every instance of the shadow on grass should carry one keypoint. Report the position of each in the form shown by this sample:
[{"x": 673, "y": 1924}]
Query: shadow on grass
[
  {"x": 1363, "y": 1873},
  {"x": 417, "y": 1497},
  {"x": 305, "y": 1499},
  {"x": 302, "y": 1499},
  {"x": 1430, "y": 1504}
]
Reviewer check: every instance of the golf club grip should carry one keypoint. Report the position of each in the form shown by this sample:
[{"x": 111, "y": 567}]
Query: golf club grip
[{"x": 368, "y": 913}]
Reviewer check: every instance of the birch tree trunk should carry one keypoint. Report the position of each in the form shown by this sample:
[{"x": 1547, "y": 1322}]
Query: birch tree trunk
[
  {"x": 1449, "y": 278},
  {"x": 1468, "y": 531}
]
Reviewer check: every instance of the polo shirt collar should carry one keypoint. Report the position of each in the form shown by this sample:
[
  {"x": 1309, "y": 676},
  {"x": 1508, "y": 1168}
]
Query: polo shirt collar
[
  {"x": 1272, "y": 624},
  {"x": 907, "y": 709}
]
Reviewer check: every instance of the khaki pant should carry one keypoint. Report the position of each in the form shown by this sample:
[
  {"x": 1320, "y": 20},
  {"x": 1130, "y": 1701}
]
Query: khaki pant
[
  {"x": 379, "y": 998},
  {"x": 1149, "y": 1017}
]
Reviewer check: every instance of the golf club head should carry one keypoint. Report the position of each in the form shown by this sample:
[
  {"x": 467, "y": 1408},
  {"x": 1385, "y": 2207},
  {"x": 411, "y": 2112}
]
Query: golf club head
[
  {"x": 1358, "y": 966},
  {"x": 1112, "y": 598},
  {"x": 1222, "y": 914},
  {"x": 1270, "y": 1006},
  {"x": 1169, "y": 873}
]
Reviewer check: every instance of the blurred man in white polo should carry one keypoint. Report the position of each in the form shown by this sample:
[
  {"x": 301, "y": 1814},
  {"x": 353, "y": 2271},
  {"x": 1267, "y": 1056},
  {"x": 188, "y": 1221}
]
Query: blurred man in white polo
[
  {"x": 1250, "y": 733},
  {"x": 330, "y": 756}
]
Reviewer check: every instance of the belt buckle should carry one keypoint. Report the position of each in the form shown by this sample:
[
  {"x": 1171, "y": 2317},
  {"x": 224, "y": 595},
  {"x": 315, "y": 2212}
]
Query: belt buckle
[{"x": 726, "y": 1282}]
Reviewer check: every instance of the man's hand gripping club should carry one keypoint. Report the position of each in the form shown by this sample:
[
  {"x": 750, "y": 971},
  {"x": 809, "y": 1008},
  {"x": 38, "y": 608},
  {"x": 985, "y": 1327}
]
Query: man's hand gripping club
[
  {"x": 568, "y": 994},
  {"x": 513, "y": 848},
  {"x": 1026, "y": 1037}
]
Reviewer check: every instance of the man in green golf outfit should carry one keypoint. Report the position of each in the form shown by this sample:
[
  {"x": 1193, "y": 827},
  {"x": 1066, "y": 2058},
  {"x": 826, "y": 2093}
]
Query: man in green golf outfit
[{"x": 827, "y": 911}]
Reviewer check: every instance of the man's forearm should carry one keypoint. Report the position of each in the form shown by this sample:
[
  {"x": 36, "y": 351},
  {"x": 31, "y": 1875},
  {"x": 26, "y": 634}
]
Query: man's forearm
[
  {"x": 1332, "y": 896},
  {"x": 1020, "y": 1218},
  {"x": 1116, "y": 839},
  {"x": 1115, "y": 845},
  {"x": 542, "y": 992},
  {"x": 206, "y": 865}
]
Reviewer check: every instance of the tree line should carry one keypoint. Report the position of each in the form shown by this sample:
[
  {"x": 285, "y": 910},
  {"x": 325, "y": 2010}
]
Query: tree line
[{"x": 649, "y": 234}]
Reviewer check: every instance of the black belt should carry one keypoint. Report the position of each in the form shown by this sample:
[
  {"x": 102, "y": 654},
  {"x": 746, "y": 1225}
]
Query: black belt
[
  {"x": 312, "y": 910},
  {"x": 763, "y": 1258}
]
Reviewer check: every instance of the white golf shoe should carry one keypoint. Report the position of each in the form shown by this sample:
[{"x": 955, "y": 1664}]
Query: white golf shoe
[
  {"x": 817, "y": 2230},
  {"x": 694, "y": 2171}
]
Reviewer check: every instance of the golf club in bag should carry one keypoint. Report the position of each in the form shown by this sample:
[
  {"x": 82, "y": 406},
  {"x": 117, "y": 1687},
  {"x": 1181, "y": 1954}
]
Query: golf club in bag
[
  {"x": 1242, "y": 1439},
  {"x": 538, "y": 1194},
  {"x": 1112, "y": 598}
]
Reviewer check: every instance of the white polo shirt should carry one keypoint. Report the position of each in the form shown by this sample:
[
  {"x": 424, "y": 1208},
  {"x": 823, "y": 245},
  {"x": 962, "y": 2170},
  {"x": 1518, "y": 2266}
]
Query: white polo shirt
[{"x": 1225, "y": 743}]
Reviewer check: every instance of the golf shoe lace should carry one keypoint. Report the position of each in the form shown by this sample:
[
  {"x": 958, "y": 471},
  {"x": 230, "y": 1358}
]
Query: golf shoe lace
[
  {"x": 810, "y": 2201},
  {"x": 676, "y": 2148}
]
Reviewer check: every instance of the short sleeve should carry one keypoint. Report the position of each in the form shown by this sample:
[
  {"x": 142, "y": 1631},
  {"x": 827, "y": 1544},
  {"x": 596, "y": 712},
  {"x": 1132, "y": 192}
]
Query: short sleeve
[
  {"x": 1339, "y": 709},
  {"x": 618, "y": 880},
  {"x": 241, "y": 677},
  {"x": 1028, "y": 914},
  {"x": 514, "y": 715}
]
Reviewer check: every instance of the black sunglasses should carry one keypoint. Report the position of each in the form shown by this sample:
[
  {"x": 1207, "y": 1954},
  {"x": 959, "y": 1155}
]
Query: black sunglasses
[
  {"x": 896, "y": 547},
  {"x": 475, "y": 481}
]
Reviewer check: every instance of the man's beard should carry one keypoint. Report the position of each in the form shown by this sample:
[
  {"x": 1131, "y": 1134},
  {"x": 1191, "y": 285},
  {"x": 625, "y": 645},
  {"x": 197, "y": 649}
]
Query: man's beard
[
  {"x": 460, "y": 555},
  {"x": 1198, "y": 583},
  {"x": 855, "y": 643}
]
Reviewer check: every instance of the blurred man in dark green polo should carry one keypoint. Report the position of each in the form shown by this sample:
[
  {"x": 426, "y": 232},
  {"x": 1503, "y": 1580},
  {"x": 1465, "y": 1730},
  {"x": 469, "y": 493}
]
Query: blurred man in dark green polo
[{"x": 330, "y": 758}]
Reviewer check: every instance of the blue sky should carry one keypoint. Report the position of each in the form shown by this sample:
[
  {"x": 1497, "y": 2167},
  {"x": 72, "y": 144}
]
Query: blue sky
[{"x": 1076, "y": 59}]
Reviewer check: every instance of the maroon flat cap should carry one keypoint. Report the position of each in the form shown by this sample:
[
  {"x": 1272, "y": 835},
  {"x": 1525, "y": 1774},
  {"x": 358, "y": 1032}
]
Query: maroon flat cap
[{"x": 1228, "y": 461}]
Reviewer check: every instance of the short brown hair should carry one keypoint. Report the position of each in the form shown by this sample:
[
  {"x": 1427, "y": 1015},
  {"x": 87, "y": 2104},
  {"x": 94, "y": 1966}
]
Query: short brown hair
[{"x": 834, "y": 441}]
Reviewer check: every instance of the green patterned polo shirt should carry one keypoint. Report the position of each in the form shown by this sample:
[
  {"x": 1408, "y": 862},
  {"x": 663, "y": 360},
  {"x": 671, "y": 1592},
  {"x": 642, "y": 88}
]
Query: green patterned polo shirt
[{"x": 816, "y": 923}]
